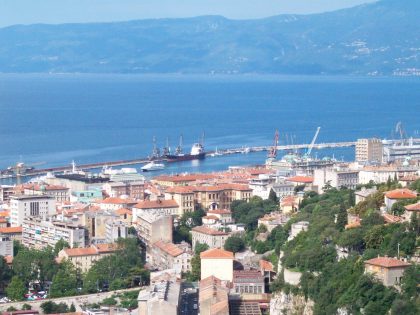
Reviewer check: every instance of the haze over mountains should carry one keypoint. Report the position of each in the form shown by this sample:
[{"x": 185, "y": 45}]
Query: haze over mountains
[{"x": 382, "y": 38}]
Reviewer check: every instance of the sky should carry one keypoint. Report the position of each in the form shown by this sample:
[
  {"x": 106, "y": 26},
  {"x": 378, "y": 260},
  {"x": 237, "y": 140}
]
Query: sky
[{"x": 76, "y": 11}]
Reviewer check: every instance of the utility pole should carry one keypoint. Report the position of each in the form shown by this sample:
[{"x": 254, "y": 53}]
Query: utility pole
[{"x": 398, "y": 246}]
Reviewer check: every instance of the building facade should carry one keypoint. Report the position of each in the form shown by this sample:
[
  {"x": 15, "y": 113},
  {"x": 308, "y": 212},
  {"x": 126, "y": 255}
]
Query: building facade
[
  {"x": 369, "y": 150},
  {"x": 204, "y": 235},
  {"x": 217, "y": 263},
  {"x": 22, "y": 206}
]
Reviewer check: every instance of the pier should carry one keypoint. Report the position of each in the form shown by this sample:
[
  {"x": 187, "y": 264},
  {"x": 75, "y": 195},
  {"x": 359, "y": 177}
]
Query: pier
[{"x": 61, "y": 169}]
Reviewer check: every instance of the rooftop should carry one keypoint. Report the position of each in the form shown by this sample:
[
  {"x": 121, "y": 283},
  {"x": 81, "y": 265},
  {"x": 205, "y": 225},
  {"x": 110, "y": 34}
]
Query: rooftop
[
  {"x": 387, "y": 262},
  {"x": 216, "y": 253},
  {"x": 156, "y": 204},
  {"x": 413, "y": 207},
  {"x": 168, "y": 248},
  {"x": 208, "y": 231},
  {"x": 266, "y": 265},
  {"x": 11, "y": 230},
  {"x": 401, "y": 194},
  {"x": 301, "y": 179},
  {"x": 25, "y": 197}
]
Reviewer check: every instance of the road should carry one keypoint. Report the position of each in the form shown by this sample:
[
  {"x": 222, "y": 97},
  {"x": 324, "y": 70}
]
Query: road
[
  {"x": 189, "y": 298},
  {"x": 78, "y": 301}
]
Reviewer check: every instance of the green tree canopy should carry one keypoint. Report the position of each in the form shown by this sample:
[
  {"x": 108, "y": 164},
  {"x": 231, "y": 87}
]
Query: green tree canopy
[
  {"x": 234, "y": 244},
  {"x": 16, "y": 289}
]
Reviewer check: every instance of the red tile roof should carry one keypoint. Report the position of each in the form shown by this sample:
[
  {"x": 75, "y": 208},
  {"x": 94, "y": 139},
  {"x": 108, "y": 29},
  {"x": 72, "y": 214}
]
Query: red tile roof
[
  {"x": 116, "y": 200},
  {"x": 208, "y": 231},
  {"x": 122, "y": 211},
  {"x": 413, "y": 207},
  {"x": 389, "y": 218},
  {"x": 156, "y": 204},
  {"x": 400, "y": 194},
  {"x": 4, "y": 213},
  {"x": 74, "y": 252},
  {"x": 11, "y": 230},
  {"x": 300, "y": 179},
  {"x": 387, "y": 262},
  {"x": 106, "y": 248},
  {"x": 180, "y": 190},
  {"x": 219, "y": 211},
  {"x": 216, "y": 253},
  {"x": 211, "y": 217},
  {"x": 266, "y": 265},
  {"x": 169, "y": 248},
  {"x": 184, "y": 178}
]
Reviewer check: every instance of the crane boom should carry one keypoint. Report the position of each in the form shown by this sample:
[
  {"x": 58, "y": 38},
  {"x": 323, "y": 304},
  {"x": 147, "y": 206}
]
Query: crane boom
[{"x": 311, "y": 146}]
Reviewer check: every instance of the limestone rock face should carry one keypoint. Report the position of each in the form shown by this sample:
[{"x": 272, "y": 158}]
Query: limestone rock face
[{"x": 289, "y": 304}]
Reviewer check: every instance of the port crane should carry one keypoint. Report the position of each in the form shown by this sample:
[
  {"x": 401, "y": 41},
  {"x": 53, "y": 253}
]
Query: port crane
[
  {"x": 272, "y": 153},
  {"x": 311, "y": 146}
]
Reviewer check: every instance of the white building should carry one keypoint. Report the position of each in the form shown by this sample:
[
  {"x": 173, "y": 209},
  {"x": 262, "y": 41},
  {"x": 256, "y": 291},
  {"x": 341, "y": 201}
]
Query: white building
[
  {"x": 115, "y": 229},
  {"x": 38, "y": 233},
  {"x": 166, "y": 255},
  {"x": 297, "y": 228},
  {"x": 6, "y": 246},
  {"x": 369, "y": 150},
  {"x": 22, "y": 207},
  {"x": 218, "y": 263},
  {"x": 336, "y": 177},
  {"x": 204, "y": 235}
]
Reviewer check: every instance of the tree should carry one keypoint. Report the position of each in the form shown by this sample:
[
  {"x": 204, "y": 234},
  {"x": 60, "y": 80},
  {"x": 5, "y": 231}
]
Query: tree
[
  {"x": 16, "y": 289},
  {"x": 410, "y": 281},
  {"x": 64, "y": 282},
  {"x": 50, "y": 307},
  {"x": 72, "y": 308},
  {"x": 342, "y": 217},
  {"x": 5, "y": 272},
  {"x": 26, "y": 307},
  {"x": 415, "y": 223},
  {"x": 60, "y": 245},
  {"x": 273, "y": 196},
  {"x": 405, "y": 307},
  {"x": 234, "y": 244},
  {"x": 196, "y": 262}
]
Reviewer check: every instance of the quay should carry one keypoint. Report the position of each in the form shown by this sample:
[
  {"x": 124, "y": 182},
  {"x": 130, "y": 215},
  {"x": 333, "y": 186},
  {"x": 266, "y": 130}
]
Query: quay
[{"x": 61, "y": 169}]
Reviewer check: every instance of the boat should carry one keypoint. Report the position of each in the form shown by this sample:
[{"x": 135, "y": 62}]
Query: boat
[
  {"x": 197, "y": 153},
  {"x": 152, "y": 166}
]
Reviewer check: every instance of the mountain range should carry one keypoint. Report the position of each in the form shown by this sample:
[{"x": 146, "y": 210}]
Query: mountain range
[{"x": 381, "y": 38}]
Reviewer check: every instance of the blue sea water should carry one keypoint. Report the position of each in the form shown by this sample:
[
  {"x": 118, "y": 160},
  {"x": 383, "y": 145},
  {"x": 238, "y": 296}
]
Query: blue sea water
[{"x": 90, "y": 118}]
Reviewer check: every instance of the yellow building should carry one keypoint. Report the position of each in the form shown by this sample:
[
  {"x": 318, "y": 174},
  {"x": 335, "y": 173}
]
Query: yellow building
[
  {"x": 386, "y": 269},
  {"x": 84, "y": 258}
]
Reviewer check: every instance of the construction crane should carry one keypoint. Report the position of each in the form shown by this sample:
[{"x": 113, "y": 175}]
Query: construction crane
[
  {"x": 21, "y": 168},
  {"x": 400, "y": 130},
  {"x": 272, "y": 153},
  {"x": 311, "y": 146}
]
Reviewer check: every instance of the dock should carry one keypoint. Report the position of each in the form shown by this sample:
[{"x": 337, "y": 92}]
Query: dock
[{"x": 61, "y": 169}]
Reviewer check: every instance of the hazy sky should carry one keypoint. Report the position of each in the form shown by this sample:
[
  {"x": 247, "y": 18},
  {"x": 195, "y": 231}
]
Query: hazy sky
[{"x": 63, "y": 11}]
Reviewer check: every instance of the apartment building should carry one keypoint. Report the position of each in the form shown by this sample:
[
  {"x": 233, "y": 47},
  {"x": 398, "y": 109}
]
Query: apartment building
[
  {"x": 221, "y": 196},
  {"x": 166, "y": 255},
  {"x": 153, "y": 226},
  {"x": 6, "y": 246},
  {"x": 39, "y": 233},
  {"x": 23, "y": 206},
  {"x": 336, "y": 177},
  {"x": 369, "y": 150},
  {"x": 115, "y": 229},
  {"x": 386, "y": 269},
  {"x": 184, "y": 197},
  {"x": 164, "y": 207},
  {"x": 204, "y": 235},
  {"x": 84, "y": 258},
  {"x": 131, "y": 189}
]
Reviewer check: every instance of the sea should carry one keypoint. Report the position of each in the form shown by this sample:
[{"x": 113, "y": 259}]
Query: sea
[{"x": 51, "y": 119}]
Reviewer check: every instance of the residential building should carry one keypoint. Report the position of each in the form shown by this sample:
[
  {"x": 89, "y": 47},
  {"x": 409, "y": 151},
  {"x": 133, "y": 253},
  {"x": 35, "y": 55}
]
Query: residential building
[
  {"x": 221, "y": 196},
  {"x": 6, "y": 191},
  {"x": 214, "y": 296},
  {"x": 362, "y": 194},
  {"x": 388, "y": 270},
  {"x": 283, "y": 189},
  {"x": 153, "y": 226},
  {"x": 6, "y": 246},
  {"x": 272, "y": 220},
  {"x": 267, "y": 270},
  {"x": 84, "y": 258},
  {"x": 131, "y": 189},
  {"x": 223, "y": 215},
  {"x": 204, "y": 235},
  {"x": 115, "y": 229},
  {"x": 262, "y": 185},
  {"x": 300, "y": 180},
  {"x": 396, "y": 195},
  {"x": 410, "y": 209},
  {"x": 181, "y": 179},
  {"x": 218, "y": 263},
  {"x": 95, "y": 221},
  {"x": 115, "y": 203},
  {"x": 164, "y": 207},
  {"x": 369, "y": 150},
  {"x": 58, "y": 192},
  {"x": 336, "y": 177},
  {"x": 86, "y": 196},
  {"x": 162, "y": 296},
  {"x": 248, "y": 281},
  {"x": 38, "y": 233},
  {"x": 125, "y": 215},
  {"x": 166, "y": 255},
  {"x": 381, "y": 174},
  {"x": 12, "y": 232},
  {"x": 183, "y": 196},
  {"x": 22, "y": 206},
  {"x": 298, "y": 227}
]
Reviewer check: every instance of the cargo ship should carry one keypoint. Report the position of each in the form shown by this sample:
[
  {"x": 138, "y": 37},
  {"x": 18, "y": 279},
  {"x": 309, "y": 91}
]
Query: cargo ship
[{"x": 197, "y": 153}]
